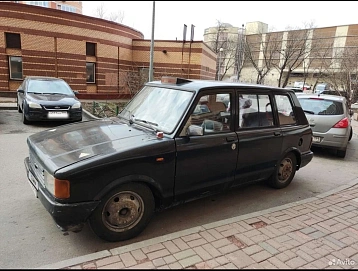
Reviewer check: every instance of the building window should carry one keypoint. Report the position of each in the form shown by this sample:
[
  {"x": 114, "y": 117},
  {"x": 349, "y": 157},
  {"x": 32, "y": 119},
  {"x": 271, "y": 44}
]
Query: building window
[
  {"x": 90, "y": 71},
  {"x": 13, "y": 40},
  {"x": 15, "y": 66},
  {"x": 38, "y": 3},
  {"x": 67, "y": 8},
  {"x": 90, "y": 49}
]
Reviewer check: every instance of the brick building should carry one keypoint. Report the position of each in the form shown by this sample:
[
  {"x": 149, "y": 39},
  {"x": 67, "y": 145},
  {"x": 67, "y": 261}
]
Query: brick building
[{"x": 98, "y": 58}]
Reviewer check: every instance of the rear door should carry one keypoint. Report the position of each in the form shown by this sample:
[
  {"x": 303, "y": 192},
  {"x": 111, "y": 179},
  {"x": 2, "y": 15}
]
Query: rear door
[{"x": 260, "y": 137}]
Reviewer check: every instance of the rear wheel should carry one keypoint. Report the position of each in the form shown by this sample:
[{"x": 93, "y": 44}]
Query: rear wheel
[
  {"x": 350, "y": 134},
  {"x": 284, "y": 172},
  {"x": 123, "y": 213}
]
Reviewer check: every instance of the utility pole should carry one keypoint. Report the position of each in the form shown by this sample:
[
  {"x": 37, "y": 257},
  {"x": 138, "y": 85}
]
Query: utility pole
[{"x": 152, "y": 46}]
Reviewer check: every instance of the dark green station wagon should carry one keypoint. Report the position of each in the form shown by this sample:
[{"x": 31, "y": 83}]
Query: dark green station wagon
[{"x": 175, "y": 141}]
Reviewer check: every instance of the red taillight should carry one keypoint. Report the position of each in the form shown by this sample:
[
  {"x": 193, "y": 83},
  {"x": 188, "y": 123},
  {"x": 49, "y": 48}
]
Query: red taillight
[{"x": 342, "y": 123}]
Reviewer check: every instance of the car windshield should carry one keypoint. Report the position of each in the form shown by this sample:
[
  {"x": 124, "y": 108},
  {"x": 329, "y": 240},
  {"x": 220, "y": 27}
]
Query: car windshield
[
  {"x": 162, "y": 108},
  {"x": 321, "y": 107},
  {"x": 320, "y": 87},
  {"x": 49, "y": 87}
]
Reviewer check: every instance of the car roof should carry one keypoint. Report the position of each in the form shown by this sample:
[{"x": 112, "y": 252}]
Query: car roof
[
  {"x": 197, "y": 85},
  {"x": 42, "y": 78},
  {"x": 324, "y": 96}
]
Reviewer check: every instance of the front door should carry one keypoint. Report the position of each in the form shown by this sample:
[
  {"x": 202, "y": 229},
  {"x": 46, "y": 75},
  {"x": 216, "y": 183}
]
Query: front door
[{"x": 206, "y": 163}]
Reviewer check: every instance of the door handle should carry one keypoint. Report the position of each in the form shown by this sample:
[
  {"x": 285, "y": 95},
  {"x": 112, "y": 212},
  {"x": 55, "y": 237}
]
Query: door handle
[
  {"x": 277, "y": 133},
  {"x": 231, "y": 138}
]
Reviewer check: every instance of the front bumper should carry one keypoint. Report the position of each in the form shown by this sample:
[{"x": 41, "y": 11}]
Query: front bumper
[
  {"x": 42, "y": 115},
  {"x": 68, "y": 216}
]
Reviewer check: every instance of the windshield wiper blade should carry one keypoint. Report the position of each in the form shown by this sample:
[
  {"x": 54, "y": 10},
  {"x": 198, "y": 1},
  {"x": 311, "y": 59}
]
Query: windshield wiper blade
[
  {"x": 148, "y": 122},
  {"x": 151, "y": 124},
  {"x": 309, "y": 112}
]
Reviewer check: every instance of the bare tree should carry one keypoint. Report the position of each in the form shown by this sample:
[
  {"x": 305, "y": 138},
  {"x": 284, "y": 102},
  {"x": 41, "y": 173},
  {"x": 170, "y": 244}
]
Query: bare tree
[
  {"x": 293, "y": 53},
  {"x": 261, "y": 52},
  {"x": 100, "y": 11},
  {"x": 115, "y": 16},
  {"x": 319, "y": 61},
  {"x": 344, "y": 78},
  {"x": 224, "y": 44}
]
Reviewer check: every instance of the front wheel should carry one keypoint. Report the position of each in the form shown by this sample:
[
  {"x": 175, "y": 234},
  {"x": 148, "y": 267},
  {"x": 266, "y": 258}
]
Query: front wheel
[
  {"x": 284, "y": 172},
  {"x": 24, "y": 119},
  {"x": 123, "y": 213}
]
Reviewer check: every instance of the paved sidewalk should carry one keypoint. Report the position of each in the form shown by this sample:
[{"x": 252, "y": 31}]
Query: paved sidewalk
[{"x": 315, "y": 233}]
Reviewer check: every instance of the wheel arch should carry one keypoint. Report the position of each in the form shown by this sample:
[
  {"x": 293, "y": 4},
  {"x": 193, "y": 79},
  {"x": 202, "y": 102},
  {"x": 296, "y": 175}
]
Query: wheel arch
[
  {"x": 297, "y": 154},
  {"x": 149, "y": 182}
]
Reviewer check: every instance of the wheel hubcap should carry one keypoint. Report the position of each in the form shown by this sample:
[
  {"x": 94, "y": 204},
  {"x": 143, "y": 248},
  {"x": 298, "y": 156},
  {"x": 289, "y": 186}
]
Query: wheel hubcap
[
  {"x": 285, "y": 170},
  {"x": 123, "y": 211}
]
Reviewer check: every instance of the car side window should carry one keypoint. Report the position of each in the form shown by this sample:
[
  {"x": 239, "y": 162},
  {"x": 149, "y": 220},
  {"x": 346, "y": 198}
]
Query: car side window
[
  {"x": 285, "y": 110},
  {"x": 212, "y": 113},
  {"x": 255, "y": 111}
]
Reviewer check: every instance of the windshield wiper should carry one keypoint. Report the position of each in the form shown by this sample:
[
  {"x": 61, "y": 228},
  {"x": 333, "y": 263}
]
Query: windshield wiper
[
  {"x": 130, "y": 118},
  {"x": 151, "y": 124},
  {"x": 309, "y": 112}
]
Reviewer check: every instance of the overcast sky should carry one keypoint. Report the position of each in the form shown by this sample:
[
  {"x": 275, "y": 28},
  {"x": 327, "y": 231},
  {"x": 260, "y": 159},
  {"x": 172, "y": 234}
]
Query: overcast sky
[{"x": 170, "y": 16}]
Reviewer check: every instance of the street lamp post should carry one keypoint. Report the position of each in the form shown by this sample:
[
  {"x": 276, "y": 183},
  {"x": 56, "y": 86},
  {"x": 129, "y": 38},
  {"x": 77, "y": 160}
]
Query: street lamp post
[{"x": 220, "y": 63}]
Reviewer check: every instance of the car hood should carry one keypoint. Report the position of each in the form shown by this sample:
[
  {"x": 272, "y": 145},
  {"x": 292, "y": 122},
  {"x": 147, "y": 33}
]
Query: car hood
[
  {"x": 50, "y": 98},
  {"x": 68, "y": 144}
]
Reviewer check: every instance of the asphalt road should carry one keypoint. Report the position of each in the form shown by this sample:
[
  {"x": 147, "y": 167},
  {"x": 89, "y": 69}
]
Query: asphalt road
[{"x": 30, "y": 238}]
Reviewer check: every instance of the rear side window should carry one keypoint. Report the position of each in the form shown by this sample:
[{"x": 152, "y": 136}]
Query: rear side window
[
  {"x": 285, "y": 110},
  {"x": 321, "y": 106},
  {"x": 255, "y": 111}
]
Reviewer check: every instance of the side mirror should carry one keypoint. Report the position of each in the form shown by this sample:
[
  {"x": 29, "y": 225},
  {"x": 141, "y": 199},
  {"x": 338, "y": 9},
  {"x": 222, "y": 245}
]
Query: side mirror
[
  {"x": 194, "y": 130},
  {"x": 20, "y": 90},
  {"x": 75, "y": 92}
]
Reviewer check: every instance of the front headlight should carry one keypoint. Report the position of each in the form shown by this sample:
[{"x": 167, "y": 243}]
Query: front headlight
[
  {"x": 34, "y": 105},
  {"x": 59, "y": 188},
  {"x": 76, "y": 105}
]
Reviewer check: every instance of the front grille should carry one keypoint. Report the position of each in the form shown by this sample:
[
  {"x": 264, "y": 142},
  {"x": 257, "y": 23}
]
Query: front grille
[
  {"x": 37, "y": 169},
  {"x": 56, "y": 107}
]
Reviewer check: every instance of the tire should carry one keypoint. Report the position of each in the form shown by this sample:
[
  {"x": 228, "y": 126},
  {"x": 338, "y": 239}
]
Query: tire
[
  {"x": 350, "y": 134},
  {"x": 24, "y": 119},
  {"x": 284, "y": 172},
  {"x": 341, "y": 153},
  {"x": 18, "y": 107},
  {"x": 123, "y": 213}
]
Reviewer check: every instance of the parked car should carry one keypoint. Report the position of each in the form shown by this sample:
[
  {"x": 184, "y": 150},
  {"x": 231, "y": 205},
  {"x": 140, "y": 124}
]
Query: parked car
[
  {"x": 330, "y": 119},
  {"x": 301, "y": 86},
  {"x": 47, "y": 99},
  {"x": 175, "y": 141},
  {"x": 323, "y": 87}
]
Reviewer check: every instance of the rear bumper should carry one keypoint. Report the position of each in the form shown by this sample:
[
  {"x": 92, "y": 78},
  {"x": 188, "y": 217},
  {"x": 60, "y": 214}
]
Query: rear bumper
[
  {"x": 68, "y": 216},
  {"x": 306, "y": 158},
  {"x": 335, "y": 138}
]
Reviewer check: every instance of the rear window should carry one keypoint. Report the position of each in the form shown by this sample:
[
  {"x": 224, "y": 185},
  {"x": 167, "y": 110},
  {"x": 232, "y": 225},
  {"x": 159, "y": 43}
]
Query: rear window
[{"x": 321, "y": 107}]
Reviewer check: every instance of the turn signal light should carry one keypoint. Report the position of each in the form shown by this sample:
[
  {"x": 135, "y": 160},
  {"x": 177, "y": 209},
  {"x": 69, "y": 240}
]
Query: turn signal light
[
  {"x": 62, "y": 189},
  {"x": 342, "y": 123}
]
